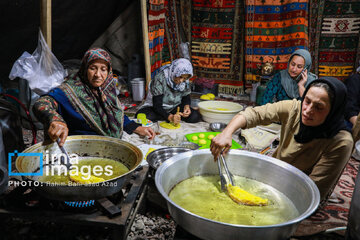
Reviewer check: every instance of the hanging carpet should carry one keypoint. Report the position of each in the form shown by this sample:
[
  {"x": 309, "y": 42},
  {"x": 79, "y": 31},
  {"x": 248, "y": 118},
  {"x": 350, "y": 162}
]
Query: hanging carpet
[
  {"x": 335, "y": 31},
  {"x": 274, "y": 29},
  {"x": 214, "y": 30}
]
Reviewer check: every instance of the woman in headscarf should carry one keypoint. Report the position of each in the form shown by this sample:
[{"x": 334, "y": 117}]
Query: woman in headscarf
[
  {"x": 313, "y": 133},
  {"x": 169, "y": 90},
  {"x": 291, "y": 82},
  {"x": 86, "y": 103}
]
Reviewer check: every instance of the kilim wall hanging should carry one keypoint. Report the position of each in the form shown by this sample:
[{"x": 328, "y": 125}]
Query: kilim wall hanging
[
  {"x": 164, "y": 34},
  {"x": 172, "y": 34},
  {"x": 214, "y": 30},
  {"x": 156, "y": 24},
  {"x": 335, "y": 35},
  {"x": 274, "y": 29}
]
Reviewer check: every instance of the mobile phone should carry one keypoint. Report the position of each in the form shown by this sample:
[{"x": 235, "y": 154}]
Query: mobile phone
[{"x": 299, "y": 76}]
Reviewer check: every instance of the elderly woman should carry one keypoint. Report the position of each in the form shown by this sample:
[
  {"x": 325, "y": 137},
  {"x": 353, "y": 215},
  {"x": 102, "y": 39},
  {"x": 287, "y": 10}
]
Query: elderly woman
[
  {"x": 169, "y": 90},
  {"x": 86, "y": 103},
  {"x": 290, "y": 83},
  {"x": 313, "y": 133}
]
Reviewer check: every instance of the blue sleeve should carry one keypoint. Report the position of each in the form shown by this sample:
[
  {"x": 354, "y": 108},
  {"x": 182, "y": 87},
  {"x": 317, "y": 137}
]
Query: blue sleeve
[
  {"x": 126, "y": 120},
  {"x": 130, "y": 125},
  {"x": 271, "y": 89}
]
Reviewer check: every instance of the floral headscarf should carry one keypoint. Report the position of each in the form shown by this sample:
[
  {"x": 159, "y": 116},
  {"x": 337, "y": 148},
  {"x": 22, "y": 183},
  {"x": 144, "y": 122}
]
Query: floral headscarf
[
  {"x": 92, "y": 55},
  {"x": 100, "y": 106},
  {"x": 177, "y": 68}
]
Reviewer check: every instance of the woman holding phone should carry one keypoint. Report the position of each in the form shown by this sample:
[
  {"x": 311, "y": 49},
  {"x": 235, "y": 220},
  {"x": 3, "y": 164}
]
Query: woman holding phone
[{"x": 291, "y": 82}]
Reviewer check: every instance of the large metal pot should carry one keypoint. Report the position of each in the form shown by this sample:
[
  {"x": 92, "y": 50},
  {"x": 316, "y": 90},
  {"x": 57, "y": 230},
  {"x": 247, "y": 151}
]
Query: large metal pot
[
  {"x": 84, "y": 145},
  {"x": 296, "y": 185}
]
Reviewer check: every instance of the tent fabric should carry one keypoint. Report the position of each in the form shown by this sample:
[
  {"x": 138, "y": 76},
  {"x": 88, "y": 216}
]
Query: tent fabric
[
  {"x": 123, "y": 39},
  {"x": 75, "y": 26}
]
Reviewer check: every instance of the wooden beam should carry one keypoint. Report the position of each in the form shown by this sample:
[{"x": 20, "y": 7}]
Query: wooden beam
[
  {"x": 145, "y": 42},
  {"x": 45, "y": 20}
]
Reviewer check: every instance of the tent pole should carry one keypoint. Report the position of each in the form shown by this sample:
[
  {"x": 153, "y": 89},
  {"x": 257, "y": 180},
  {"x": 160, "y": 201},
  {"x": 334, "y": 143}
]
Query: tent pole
[
  {"x": 146, "y": 42},
  {"x": 45, "y": 20}
]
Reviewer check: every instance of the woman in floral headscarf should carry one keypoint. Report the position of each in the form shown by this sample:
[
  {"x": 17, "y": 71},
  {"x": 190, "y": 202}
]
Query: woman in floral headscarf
[
  {"x": 169, "y": 90},
  {"x": 86, "y": 103}
]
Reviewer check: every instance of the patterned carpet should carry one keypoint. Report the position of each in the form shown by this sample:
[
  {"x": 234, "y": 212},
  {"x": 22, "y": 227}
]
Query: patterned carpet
[
  {"x": 334, "y": 34},
  {"x": 214, "y": 30},
  {"x": 334, "y": 213}
]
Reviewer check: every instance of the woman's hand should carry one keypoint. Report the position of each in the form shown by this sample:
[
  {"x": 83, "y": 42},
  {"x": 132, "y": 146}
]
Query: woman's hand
[
  {"x": 187, "y": 111},
  {"x": 145, "y": 131},
  {"x": 58, "y": 130},
  {"x": 174, "y": 118},
  {"x": 302, "y": 82},
  {"x": 221, "y": 143}
]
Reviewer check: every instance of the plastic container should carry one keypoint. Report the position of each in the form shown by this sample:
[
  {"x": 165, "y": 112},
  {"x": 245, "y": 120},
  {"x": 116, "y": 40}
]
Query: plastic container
[
  {"x": 136, "y": 68},
  {"x": 138, "y": 89},
  {"x": 219, "y": 111},
  {"x": 207, "y": 141}
]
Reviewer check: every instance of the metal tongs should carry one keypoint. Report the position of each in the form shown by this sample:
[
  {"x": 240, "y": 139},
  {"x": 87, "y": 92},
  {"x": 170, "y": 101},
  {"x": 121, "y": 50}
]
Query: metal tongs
[
  {"x": 229, "y": 177},
  {"x": 63, "y": 150}
]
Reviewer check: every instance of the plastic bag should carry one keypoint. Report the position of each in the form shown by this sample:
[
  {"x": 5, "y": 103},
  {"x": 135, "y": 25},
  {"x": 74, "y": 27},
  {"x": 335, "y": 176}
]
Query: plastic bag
[{"x": 41, "y": 69}]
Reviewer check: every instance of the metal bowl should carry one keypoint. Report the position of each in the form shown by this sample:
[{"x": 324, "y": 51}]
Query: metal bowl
[
  {"x": 292, "y": 182},
  {"x": 189, "y": 145},
  {"x": 157, "y": 157},
  {"x": 217, "y": 126},
  {"x": 28, "y": 165}
]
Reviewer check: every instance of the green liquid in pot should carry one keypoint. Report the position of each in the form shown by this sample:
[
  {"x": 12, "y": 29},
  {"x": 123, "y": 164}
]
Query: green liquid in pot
[{"x": 202, "y": 196}]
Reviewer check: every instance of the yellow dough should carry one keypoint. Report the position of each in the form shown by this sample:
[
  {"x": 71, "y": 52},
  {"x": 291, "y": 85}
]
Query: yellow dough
[
  {"x": 211, "y": 136},
  {"x": 202, "y": 141},
  {"x": 201, "y": 135},
  {"x": 169, "y": 125},
  {"x": 194, "y": 138},
  {"x": 219, "y": 109},
  {"x": 205, "y": 97},
  {"x": 211, "y": 96}
]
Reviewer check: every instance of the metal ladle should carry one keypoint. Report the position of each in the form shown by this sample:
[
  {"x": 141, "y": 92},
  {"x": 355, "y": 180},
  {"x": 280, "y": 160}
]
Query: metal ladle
[{"x": 63, "y": 150}]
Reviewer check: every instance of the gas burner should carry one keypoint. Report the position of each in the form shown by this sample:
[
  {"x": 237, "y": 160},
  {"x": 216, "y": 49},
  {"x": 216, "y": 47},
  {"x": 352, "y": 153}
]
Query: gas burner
[
  {"x": 80, "y": 204},
  {"x": 115, "y": 213}
]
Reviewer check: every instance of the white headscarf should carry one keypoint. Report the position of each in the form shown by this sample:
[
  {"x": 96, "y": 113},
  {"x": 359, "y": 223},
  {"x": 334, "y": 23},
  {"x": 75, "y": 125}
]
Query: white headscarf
[{"x": 177, "y": 68}]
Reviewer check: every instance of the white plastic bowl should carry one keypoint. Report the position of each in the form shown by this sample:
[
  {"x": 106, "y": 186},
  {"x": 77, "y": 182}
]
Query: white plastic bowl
[{"x": 219, "y": 111}]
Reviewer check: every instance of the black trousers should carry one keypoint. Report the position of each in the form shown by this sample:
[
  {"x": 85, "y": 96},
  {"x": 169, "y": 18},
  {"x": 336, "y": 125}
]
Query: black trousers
[{"x": 194, "y": 116}]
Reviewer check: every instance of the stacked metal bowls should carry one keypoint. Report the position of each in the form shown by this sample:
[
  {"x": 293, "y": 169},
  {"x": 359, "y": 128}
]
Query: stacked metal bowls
[{"x": 157, "y": 157}]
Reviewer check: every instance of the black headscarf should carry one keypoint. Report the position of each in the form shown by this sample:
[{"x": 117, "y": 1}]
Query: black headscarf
[{"x": 334, "y": 122}]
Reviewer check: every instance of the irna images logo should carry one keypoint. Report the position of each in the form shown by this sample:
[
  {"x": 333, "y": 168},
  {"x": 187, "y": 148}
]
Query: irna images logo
[
  {"x": 36, "y": 156},
  {"x": 56, "y": 164}
]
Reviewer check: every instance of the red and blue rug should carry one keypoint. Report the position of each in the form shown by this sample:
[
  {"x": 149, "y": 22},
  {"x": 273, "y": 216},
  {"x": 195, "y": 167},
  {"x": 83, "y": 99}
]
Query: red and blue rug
[{"x": 334, "y": 213}]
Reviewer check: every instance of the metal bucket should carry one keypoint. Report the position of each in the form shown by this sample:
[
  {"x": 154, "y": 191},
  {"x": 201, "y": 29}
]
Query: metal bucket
[
  {"x": 84, "y": 145},
  {"x": 296, "y": 185}
]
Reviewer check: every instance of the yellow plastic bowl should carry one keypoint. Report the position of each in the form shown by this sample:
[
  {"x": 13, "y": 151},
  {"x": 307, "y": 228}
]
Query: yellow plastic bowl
[{"x": 219, "y": 111}]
